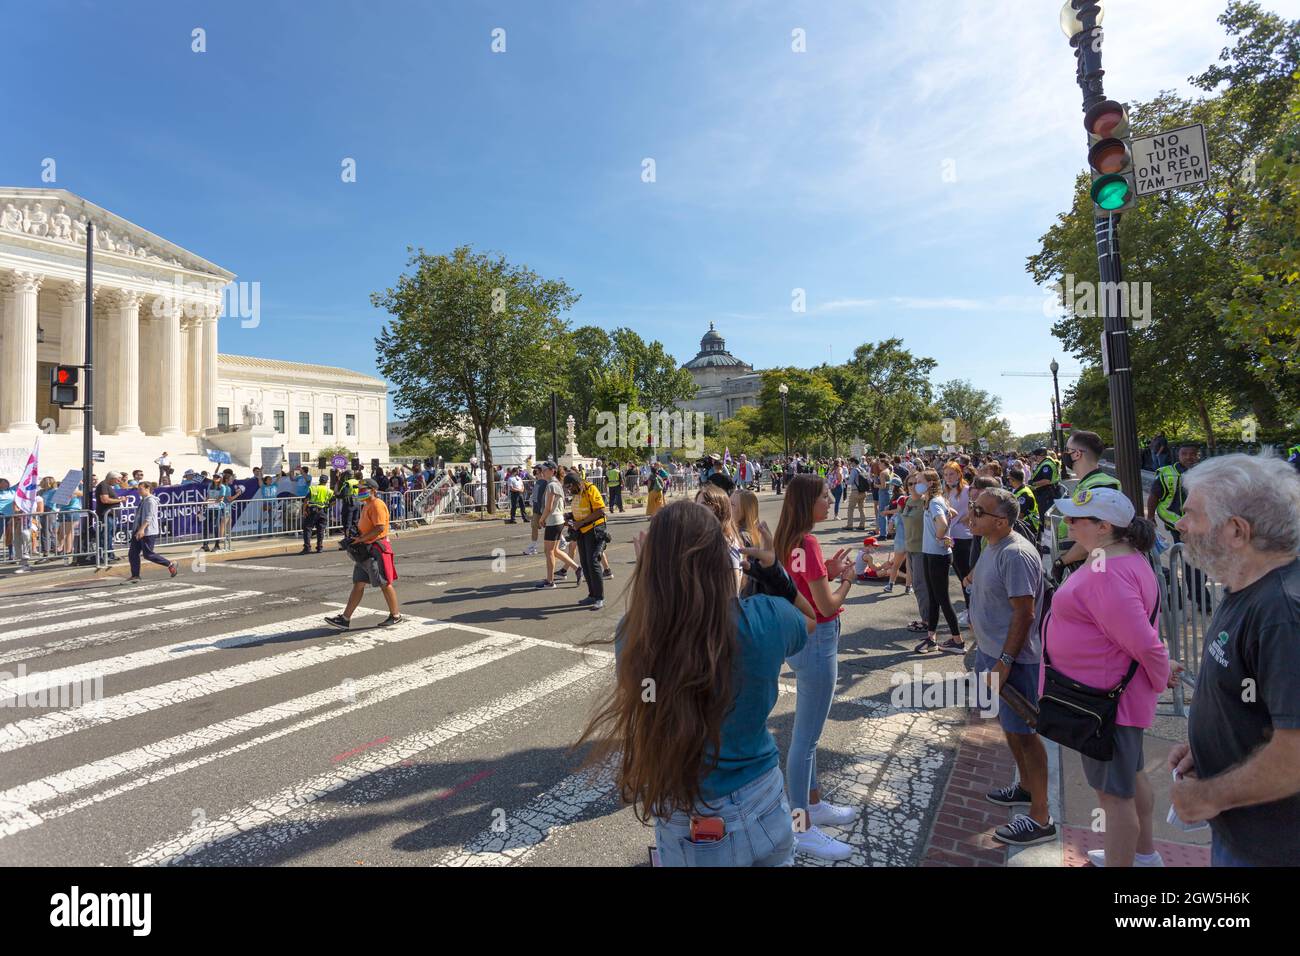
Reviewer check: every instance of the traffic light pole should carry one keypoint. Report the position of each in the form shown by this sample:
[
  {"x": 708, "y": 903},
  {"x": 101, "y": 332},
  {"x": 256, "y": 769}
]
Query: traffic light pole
[
  {"x": 88, "y": 381},
  {"x": 1123, "y": 417}
]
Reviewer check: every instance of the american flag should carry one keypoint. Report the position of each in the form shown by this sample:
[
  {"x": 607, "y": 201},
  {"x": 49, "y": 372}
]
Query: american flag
[{"x": 25, "y": 497}]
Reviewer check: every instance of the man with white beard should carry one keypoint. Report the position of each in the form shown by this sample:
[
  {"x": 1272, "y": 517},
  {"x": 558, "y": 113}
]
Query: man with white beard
[{"x": 1240, "y": 769}]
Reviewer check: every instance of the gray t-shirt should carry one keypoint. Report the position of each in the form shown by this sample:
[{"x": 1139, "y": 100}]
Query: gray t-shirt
[
  {"x": 1010, "y": 568},
  {"x": 556, "y": 514}
]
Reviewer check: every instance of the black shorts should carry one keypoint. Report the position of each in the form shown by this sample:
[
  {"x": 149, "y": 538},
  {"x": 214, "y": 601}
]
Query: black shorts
[{"x": 553, "y": 532}]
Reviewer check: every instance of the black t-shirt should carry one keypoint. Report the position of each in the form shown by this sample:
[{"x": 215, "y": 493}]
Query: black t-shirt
[
  {"x": 1249, "y": 684},
  {"x": 104, "y": 488}
]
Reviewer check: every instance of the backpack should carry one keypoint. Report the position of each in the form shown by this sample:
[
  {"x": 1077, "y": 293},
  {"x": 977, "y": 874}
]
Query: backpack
[{"x": 861, "y": 482}]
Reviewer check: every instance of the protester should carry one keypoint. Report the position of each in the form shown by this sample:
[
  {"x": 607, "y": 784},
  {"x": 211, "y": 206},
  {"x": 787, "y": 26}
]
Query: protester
[
  {"x": 912, "y": 515},
  {"x": 107, "y": 505},
  {"x": 372, "y": 553},
  {"x": 147, "y": 529},
  {"x": 1006, "y": 600},
  {"x": 1240, "y": 768},
  {"x": 957, "y": 493},
  {"x": 936, "y": 557},
  {"x": 553, "y": 524},
  {"x": 697, "y": 756},
  {"x": 1103, "y": 632},
  {"x": 716, "y": 500},
  {"x": 859, "y": 482},
  {"x": 807, "y": 501}
]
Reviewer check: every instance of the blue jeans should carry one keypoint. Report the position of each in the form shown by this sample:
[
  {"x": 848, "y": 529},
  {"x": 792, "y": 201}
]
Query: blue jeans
[
  {"x": 759, "y": 831},
  {"x": 1220, "y": 855},
  {"x": 837, "y": 493},
  {"x": 815, "y": 669},
  {"x": 107, "y": 532}
]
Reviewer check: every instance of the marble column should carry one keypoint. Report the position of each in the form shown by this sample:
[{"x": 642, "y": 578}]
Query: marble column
[
  {"x": 171, "y": 379},
  {"x": 18, "y": 367},
  {"x": 210, "y": 368},
  {"x": 72, "y": 349},
  {"x": 194, "y": 375},
  {"x": 126, "y": 379}
]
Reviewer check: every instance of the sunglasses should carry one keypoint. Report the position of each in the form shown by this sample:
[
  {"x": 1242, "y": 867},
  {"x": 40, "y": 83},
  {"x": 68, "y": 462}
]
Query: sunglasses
[{"x": 979, "y": 512}]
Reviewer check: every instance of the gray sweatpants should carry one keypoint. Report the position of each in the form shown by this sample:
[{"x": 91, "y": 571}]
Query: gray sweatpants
[{"x": 916, "y": 577}]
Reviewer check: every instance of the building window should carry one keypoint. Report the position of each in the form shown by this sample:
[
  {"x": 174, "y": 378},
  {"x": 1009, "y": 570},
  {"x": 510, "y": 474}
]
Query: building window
[
  {"x": 304, "y": 423},
  {"x": 278, "y": 417},
  {"x": 223, "y": 417},
  {"x": 350, "y": 425},
  {"x": 327, "y": 423}
]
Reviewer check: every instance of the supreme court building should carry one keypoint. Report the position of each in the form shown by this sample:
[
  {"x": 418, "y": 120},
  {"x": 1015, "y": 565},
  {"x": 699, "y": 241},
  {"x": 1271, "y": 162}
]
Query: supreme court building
[{"x": 159, "y": 382}]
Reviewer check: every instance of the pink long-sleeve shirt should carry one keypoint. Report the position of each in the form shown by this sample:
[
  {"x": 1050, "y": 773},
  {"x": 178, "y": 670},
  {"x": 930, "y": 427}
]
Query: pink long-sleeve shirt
[{"x": 1100, "y": 623}]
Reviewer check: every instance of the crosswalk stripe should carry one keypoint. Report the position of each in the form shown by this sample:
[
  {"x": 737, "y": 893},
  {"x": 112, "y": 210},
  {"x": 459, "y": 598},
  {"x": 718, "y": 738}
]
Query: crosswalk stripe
[
  {"x": 527, "y": 829},
  {"x": 131, "y": 596},
  {"x": 42, "y": 601},
  {"x": 304, "y": 797},
  {"x": 16, "y": 802},
  {"x": 53, "y": 724},
  {"x": 52, "y": 627},
  {"x": 83, "y": 641},
  {"x": 128, "y": 662}
]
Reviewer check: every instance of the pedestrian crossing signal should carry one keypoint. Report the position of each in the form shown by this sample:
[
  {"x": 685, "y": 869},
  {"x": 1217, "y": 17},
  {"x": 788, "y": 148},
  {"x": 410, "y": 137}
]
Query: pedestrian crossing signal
[
  {"x": 63, "y": 385},
  {"x": 1110, "y": 158}
]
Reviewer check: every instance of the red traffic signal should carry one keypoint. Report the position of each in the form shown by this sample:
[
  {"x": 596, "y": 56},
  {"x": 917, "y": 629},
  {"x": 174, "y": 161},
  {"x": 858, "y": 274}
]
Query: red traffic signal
[{"x": 63, "y": 385}]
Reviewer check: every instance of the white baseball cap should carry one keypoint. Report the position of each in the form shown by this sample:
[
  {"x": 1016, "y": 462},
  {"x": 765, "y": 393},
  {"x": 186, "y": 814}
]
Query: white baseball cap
[{"x": 1104, "y": 504}]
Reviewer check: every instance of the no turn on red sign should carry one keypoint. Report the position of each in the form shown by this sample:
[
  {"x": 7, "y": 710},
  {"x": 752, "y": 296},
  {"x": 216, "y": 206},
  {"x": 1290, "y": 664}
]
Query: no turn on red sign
[{"x": 1174, "y": 159}]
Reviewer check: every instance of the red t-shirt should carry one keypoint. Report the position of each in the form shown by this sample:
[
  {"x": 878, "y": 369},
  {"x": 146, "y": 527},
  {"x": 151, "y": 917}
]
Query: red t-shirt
[{"x": 808, "y": 566}]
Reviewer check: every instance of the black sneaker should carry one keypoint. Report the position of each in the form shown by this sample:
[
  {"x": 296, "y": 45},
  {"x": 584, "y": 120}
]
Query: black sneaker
[
  {"x": 562, "y": 573},
  {"x": 339, "y": 621},
  {"x": 1012, "y": 796},
  {"x": 608, "y": 574},
  {"x": 305, "y": 551},
  {"x": 1025, "y": 831},
  {"x": 390, "y": 621},
  {"x": 546, "y": 584},
  {"x": 587, "y": 600}
]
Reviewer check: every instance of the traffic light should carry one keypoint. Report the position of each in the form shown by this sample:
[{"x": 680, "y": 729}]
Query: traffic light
[
  {"x": 1110, "y": 157},
  {"x": 63, "y": 385}
]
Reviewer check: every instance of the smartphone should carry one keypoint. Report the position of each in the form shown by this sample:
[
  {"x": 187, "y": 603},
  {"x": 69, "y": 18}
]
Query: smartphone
[{"x": 707, "y": 829}]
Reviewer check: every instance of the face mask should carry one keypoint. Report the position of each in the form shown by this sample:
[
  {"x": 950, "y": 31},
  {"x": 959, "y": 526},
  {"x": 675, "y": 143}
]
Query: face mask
[
  {"x": 363, "y": 494},
  {"x": 922, "y": 488}
]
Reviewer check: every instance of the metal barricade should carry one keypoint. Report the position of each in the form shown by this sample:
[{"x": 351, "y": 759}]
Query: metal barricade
[
  {"x": 1187, "y": 603},
  {"x": 47, "y": 539}
]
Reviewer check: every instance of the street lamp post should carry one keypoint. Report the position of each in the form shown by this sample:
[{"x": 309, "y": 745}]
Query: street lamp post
[
  {"x": 1057, "y": 430},
  {"x": 1080, "y": 21},
  {"x": 784, "y": 389}
]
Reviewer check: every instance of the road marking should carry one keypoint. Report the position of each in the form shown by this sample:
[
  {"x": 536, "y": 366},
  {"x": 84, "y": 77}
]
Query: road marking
[
  {"x": 89, "y": 593},
  {"x": 128, "y": 662},
  {"x": 261, "y": 567},
  {"x": 15, "y": 803},
  {"x": 54, "y": 724},
  {"x": 527, "y": 829},
  {"x": 56, "y": 627},
  {"x": 129, "y": 596},
  {"x": 249, "y": 826},
  {"x": 84, "y": 641}
]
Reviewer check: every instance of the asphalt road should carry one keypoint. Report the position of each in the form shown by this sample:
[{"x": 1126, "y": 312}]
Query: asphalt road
[{"x": 234, "y": 727}]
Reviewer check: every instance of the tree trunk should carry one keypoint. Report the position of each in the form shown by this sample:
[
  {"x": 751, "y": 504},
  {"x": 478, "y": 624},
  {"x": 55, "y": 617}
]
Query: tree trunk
[
  {"x": 1204, "y": 414},
  {"x": 489, "y": 473}
]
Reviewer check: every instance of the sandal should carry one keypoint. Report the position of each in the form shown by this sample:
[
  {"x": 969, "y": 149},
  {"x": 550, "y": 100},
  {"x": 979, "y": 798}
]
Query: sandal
[
  {"x": 918, "y": 626},
  {"x": 927, "y": 646}
]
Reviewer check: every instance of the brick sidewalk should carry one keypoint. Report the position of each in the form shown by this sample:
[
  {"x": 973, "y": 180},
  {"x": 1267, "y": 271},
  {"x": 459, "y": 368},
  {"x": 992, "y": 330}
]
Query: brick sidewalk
[{"x": 963, "y": 829}]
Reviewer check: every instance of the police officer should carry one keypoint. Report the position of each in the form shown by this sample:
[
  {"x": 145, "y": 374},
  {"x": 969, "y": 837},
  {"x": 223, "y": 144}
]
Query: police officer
[
  {"x": 314, "y": 515},
  {"x": 1167, "y": 495},
  {"x": 1083, "y": 451},
  {"x": 1046, "y": 480},
  {"x": 347, "y": 492},
  {"x": 615, "y": 482},
  {"x": 1029, "y": 513}
]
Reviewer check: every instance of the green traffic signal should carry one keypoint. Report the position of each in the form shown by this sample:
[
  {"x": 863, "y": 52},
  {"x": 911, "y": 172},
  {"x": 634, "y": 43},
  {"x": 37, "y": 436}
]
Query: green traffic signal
[{"x": 1111, "y": 192}]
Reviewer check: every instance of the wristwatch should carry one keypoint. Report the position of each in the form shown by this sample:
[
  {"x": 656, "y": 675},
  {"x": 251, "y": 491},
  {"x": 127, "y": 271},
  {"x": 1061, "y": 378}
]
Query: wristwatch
[{"x": 1006, "y": 658}]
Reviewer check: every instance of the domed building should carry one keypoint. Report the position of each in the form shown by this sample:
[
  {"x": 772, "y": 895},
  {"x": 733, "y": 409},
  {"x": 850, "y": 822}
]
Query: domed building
[{"x": 724, "y": 383}]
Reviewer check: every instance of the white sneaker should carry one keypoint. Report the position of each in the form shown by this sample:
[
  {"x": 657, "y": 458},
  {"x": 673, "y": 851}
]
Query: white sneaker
[
  {"x": 531, "y": 549},
  {"x": 818, "y": 844},
  {"x": 963, "y": 619},
  {"x": 1098, "y": 858},
  {"x": 825, "y": 814}
]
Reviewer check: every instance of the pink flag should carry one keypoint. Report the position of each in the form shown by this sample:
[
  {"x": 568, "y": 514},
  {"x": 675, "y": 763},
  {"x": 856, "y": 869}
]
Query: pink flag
[{"x": 25, "y": 496}]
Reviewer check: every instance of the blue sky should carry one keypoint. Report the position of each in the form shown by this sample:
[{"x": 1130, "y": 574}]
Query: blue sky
[{"x": 899, "y": 171}]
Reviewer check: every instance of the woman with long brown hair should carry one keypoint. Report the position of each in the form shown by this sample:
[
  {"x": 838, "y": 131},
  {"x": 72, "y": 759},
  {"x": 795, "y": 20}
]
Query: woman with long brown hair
[
  {"x": 695, "y": 683},
  {"x": 716, "y": 500},
  {"x": 808, "y": 501}
]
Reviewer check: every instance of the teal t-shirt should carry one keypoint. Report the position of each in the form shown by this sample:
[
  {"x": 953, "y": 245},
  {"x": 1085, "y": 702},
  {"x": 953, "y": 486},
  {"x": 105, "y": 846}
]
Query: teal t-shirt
[{"x": 768, "y": 630}]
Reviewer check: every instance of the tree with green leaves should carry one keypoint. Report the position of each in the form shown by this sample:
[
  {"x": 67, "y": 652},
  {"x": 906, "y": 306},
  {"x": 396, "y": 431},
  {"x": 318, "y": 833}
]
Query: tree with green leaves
[
  {"x": 465, "y": 341},
  {"x": 893, "y": 393},
  {"x": 809, "y": 404}
]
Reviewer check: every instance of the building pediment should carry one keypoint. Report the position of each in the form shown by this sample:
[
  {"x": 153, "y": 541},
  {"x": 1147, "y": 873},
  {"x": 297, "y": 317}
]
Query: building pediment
[{"x": 55, "y": 220}]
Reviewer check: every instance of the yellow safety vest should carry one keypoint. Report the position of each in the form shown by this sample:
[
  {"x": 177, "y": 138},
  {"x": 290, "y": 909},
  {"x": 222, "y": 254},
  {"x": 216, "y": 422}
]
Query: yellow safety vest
[{"x": 319, "y": 496}]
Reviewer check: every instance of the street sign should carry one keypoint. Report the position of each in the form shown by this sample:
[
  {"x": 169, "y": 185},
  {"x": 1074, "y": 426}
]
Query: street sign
[
  {"x": 1174, "y": 159},
  {"x": 339, "y": 462},
  {"x": 96, "y": 455}
]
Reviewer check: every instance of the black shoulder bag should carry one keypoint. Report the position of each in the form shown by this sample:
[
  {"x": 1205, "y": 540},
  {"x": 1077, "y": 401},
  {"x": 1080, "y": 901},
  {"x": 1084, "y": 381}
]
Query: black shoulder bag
[{"x": 1078, "y": 716}]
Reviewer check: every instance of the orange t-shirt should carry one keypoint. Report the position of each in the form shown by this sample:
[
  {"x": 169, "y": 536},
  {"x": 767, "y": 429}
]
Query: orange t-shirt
[{"x": 374, "y": 515}]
